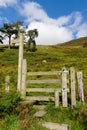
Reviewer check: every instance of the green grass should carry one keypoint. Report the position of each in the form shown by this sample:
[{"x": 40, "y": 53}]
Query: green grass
[
  {"x": 10, "y": 123},
  {"x": 68, "y": 55}
]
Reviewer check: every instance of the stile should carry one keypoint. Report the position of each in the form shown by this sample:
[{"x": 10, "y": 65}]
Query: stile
[
  {"x": 24, "y": 71},
  {"x": 80, "y": 86},
  {"x": 73, "y": 92}
]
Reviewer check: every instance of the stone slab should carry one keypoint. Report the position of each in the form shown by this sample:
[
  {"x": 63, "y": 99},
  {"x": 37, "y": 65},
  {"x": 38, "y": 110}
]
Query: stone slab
[
  {"x": 56, "y": 126},
  {"x": 40, "y": 113}
]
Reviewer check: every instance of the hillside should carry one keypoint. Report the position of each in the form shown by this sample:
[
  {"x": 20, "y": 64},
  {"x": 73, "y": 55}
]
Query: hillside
[
  {"x": 77, "y": 42},
  {"x": 55, "y": 57}
]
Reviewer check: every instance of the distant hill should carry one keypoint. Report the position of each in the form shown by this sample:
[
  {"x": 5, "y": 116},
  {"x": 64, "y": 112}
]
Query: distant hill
[{"x": 76, "y": 42}]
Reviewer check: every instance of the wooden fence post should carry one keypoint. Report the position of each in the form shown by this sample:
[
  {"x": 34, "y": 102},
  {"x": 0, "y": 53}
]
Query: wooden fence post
[
  {"x": 7, "y": 83},
  {"x": 24, "y": 71},
  {"x": 64, "y": 87},
  {"x": 80, "y": 86},
  {"x": 56, "y": 92},
  {"x": 73, "y": 91},
  {"x": 20, "y": 61}
]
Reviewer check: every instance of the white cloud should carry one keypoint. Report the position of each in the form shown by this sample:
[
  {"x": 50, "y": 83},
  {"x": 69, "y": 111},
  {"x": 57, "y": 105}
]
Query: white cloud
[
  {"x": 33, "y": 11},
  {"x": 5, "y": 3},
  {"x": 50, "y": 34},
  {"x": 82, "y": 30},
  {"x": 51, "y": 31},
  {"x": 76, "y": 20}
]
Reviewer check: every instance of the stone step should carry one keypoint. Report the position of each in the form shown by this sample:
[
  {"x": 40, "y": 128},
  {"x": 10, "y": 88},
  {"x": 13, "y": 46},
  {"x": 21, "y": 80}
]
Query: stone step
[
  {"x": 40, "y": 114},
  {"x": 55, "y": 126}
]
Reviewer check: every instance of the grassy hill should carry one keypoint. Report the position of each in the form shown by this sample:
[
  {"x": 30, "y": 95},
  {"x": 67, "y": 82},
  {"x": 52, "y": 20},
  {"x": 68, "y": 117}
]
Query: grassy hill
[
  {"x": 77, "y": 42},
  {"x": 73, "y": 53}
]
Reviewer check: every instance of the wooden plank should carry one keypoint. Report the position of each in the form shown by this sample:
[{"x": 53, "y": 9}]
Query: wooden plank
[
  {"x": 80, "y": 86},
  {"x": 49, "y": 90},
  {"x": 56, "y": 98},
  {"x": 24, "y": 71},
  {"x": 44, "y": 81},
  {"x": 73, "y": 91},
  {"x": 7, "y": 83},
  {"x": 39, "y": 98},
  {"x": 43, "y": 73},
  {"x": 64, "y": 87}
]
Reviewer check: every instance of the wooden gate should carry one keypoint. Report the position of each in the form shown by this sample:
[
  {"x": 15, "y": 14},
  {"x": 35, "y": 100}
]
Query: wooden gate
[{"x": 63, "y": 82}]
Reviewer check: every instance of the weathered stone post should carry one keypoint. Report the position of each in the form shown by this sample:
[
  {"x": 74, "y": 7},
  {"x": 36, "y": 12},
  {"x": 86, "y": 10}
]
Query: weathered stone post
[{"x": 20, "y": 60}]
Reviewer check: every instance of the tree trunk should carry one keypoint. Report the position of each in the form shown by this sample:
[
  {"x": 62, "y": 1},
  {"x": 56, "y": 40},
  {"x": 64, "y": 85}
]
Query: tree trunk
[{"x": 9, "y": 42}]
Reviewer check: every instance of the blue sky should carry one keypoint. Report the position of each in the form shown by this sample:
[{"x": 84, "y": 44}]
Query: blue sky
[{"x": 57, "y": 21}]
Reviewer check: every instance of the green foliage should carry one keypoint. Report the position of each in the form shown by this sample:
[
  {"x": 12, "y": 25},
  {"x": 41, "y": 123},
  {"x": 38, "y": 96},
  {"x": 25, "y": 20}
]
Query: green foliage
[
  {"x": 83, "y": 116},
  {"x": 17, "y": 25},
  {"x": 8, "y": 103},
  {"x": 10, "y": 123},
  {"x": 32, "y": 34},
  {"x": 8, "y": 30}
]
